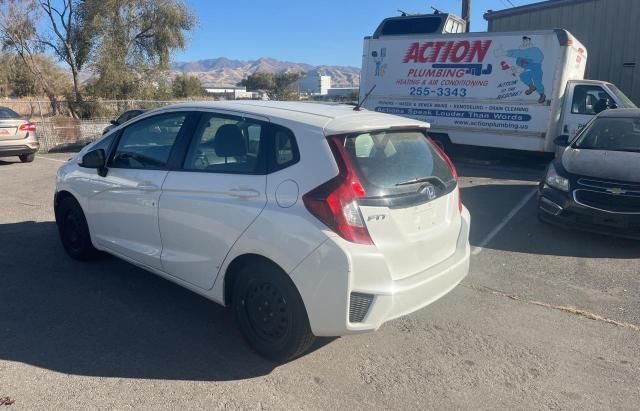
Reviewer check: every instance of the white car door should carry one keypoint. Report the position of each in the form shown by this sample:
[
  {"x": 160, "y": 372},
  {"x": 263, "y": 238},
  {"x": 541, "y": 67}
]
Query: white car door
[
  {"x": 123, "y": 212},
  {"x": 219, "y": 191}
]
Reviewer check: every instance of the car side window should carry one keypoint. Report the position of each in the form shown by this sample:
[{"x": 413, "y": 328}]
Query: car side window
[
  {"x": 226, "y": 144},
  {"x": 148, "y": 143},
  {"x": 585, "y": 98},
  {"x": 285, "y": 149},
  {"x": 105, "y": 143}
]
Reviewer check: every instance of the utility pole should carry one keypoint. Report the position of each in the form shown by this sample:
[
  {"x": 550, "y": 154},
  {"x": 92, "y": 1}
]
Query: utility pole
[{"x": 466, "y": 13}]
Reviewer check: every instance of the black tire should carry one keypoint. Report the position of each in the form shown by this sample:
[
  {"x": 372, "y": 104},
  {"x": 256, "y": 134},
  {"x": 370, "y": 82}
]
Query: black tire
[
  {"x": 270, "y": 313},
  {"x": 27, "y": 158},
  {"x": 74, "y": 231}
]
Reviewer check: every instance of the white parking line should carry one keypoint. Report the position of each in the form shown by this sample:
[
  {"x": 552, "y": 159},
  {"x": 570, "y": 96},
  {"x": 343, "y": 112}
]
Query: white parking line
[
  {"x": 52, "y": 159},
  {"x": 477, "y": 250}
]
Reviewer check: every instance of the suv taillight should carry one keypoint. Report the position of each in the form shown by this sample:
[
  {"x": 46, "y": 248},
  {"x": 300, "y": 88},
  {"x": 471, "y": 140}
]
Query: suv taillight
[
  {"x": 335, "y": 202},
  {"x": 452, "y": 168},
  {"x": 27, "y": 127}
]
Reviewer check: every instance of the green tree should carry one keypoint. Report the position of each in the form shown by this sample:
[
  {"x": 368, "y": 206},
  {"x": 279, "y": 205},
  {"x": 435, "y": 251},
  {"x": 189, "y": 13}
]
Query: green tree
[
  {"x": 15, "y": 81},
  {"x": 134, "y": 41},
  {"x": 259, "y": 81},
  {"x": 279, "y": 86},
  {"x": 185, "y": 85},
  {"x": 284, "y": 89}
]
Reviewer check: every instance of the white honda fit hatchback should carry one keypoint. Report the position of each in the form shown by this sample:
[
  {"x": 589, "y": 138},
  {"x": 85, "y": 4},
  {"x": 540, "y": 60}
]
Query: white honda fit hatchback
[{"x": 308, "y": 219}]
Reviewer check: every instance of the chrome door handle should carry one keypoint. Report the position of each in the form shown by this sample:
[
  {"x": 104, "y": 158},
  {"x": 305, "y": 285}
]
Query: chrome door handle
[{"x": 244, "y": 192}]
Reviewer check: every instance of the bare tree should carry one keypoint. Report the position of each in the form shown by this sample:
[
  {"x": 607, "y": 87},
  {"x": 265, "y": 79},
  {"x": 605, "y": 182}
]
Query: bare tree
[
  {"x": 18, "y": 35},
  {"x": 69, "y": 37}
]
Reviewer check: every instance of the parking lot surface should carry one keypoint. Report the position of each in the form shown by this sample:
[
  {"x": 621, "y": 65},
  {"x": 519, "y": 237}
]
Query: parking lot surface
[{"x": 547, "y": 318}]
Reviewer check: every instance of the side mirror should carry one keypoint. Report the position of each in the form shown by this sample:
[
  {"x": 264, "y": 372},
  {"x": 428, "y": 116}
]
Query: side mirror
[
  {"x": 113, "y": 122},
  {"x": 562, "y": 141},
  {"x": 95, "y": 159}
]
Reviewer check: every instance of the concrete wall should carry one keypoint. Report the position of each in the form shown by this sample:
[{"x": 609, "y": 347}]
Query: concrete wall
[{"x": 609, "y": 29}]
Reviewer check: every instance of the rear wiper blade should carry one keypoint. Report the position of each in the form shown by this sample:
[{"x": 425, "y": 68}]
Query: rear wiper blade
[{"x": 432, "y": 179}]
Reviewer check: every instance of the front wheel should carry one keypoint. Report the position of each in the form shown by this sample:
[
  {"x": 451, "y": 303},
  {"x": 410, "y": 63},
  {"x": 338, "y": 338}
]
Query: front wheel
[
  {"x": 270, "y": 313},
  {"x": 74, "y": 231}
]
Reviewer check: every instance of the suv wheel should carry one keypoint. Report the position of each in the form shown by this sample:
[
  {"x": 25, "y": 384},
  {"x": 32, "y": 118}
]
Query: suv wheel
[
  {"x": 73, "y": 229},
  {"x": 270, "y": 313},
  {"x": 27, "y": 158}
]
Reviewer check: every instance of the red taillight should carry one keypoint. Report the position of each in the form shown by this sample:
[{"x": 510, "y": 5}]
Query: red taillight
[
  {"x": 335, "y": 202},
  {"x": 452, "y": 168},
  {"x": 27, "y": 127}
]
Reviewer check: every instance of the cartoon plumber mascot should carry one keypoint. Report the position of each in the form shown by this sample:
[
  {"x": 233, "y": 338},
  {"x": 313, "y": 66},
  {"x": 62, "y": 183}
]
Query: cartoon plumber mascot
[{"x": 529, "y": 61}]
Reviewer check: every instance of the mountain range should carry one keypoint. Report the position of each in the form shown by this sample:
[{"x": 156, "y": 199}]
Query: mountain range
[{"x": 224, "y": 72}]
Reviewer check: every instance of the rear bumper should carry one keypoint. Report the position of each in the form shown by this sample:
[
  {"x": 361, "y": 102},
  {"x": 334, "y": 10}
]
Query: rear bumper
[
  {"x": 355, "y": 293},
  {"x": 560, "y": 209},
  {"x": 7, "y": 150}
]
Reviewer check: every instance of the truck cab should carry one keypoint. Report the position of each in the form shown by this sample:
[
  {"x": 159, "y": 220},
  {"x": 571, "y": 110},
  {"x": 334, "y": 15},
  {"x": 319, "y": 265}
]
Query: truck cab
[{"x": 586, "y": 98}]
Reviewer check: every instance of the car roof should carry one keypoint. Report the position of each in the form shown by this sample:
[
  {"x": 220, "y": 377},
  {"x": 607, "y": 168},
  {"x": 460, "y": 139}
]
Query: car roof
[
  {"x": 620, "y": 112},
  {"x": 332, "y": 118}
]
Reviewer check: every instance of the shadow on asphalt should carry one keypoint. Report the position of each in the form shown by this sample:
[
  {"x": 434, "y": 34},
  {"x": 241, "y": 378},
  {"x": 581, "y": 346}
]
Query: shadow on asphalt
[
  {"x": 109, "y": 318},
  {"x": 490, "y": 203},
  {"x": 6, "y": 161}
]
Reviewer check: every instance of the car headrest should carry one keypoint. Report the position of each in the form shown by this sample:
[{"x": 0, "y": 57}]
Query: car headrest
[{"x": 229, "y": 142}]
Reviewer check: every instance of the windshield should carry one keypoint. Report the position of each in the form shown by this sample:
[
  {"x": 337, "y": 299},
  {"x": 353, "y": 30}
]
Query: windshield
[
  {"x": 621, "y": 96},
  {"x": 397, "y": 162},
  {"x": 611, "y": 133}
]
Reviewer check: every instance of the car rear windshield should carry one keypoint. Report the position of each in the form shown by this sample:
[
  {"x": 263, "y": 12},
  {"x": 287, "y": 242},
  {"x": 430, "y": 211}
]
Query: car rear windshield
[
  {"x": 398, "y": 162},
  {"x": 7, "y": 113},
  {"x": 611, "y": 133}
]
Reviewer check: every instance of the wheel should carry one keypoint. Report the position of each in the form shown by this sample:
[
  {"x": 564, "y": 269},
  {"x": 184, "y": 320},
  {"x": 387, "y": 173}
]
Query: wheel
[
  {"x": 74, "y": 231},
  {"x": 27, "y": 158},
  {"x": 270, "y": 313}
]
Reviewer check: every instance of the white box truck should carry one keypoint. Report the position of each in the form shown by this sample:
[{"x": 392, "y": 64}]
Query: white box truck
[{"x": 509, "y": 90}]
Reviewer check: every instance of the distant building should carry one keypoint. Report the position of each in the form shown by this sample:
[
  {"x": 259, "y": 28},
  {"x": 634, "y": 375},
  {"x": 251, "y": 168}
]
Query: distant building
[
  {"x": 314, "y": 84},
  {"x": 609, "y": 30},
  {"x": 234, "y": 93}
]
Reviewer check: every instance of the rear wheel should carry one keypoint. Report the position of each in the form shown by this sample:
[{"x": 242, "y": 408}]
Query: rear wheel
[
  {"x": 27, "y": 158},
  {"x": 270, "y": 313},
  {"x": 74, "y": 231}
]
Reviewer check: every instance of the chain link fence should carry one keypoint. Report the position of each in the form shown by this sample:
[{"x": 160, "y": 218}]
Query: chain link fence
[{"x": 59, "y": 127}]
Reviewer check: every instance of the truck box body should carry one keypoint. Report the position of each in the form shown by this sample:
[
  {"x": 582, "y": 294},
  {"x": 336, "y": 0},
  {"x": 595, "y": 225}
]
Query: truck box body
[{"x": 490, "y": 89}]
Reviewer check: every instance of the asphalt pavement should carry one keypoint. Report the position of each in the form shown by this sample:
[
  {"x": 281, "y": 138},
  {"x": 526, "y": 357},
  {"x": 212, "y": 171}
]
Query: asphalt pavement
[{"x": 547, "y": 318}]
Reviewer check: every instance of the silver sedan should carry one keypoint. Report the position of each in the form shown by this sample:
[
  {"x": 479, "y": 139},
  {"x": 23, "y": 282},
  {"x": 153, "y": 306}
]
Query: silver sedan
[{"x": 17, "y": 136}]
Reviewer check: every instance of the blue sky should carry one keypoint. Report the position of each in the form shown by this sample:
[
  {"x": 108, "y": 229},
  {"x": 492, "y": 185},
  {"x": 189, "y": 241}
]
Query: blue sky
[{"x": 305, "y": 31}]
